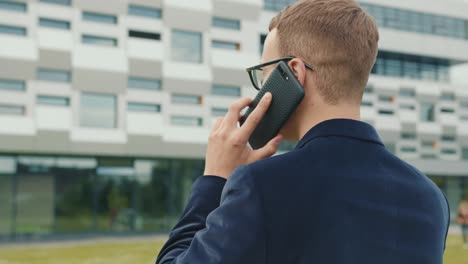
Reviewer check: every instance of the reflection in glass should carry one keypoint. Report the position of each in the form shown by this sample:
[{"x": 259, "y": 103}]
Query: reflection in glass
[
  {"x": 98, "y": 110},
  {"x": 186, "y": 46}
]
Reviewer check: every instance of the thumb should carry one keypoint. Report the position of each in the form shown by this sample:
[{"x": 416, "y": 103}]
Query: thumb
[{"x": 268, "y": 150}]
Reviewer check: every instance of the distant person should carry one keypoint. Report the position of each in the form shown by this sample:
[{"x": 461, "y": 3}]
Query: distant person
[
  {"x": 462, "y": 219},
  {"x": 340, "y": 196}
]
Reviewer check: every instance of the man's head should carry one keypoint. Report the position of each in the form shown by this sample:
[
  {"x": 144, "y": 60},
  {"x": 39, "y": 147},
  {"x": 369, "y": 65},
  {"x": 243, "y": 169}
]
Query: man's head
[{"x": 337, "y": 37}]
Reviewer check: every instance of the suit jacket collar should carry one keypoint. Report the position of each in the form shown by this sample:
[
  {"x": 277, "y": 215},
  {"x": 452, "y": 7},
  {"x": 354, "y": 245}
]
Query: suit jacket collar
[{"x": 341, "y": 128}]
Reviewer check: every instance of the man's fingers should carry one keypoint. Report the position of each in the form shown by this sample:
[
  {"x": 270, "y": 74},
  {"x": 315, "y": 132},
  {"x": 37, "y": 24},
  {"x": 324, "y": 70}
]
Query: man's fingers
[
  {"x": 218, "y": 122},
  {"x": 268, "y": 150},
  {"x": 233, "y": 115},
  {"x": 254, "y": 118}
]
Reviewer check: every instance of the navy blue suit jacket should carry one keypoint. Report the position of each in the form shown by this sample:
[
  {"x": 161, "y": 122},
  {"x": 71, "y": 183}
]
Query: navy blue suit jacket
[{"x": 339, "y": 197}]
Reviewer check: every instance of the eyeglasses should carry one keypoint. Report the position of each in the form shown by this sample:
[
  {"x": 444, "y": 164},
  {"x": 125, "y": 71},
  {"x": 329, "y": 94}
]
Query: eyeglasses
[{"x": 257, "y": 75}]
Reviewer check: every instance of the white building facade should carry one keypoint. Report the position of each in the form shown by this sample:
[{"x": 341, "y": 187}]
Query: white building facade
[{"x": 106, "y": 105}]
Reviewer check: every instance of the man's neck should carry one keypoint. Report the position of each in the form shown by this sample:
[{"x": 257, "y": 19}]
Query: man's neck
[{"x": 316, "y": 115}]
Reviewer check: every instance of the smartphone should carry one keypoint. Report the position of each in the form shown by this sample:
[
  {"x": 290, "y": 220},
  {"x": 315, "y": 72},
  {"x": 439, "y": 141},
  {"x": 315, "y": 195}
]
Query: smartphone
[{"x": 287, "y": 93}]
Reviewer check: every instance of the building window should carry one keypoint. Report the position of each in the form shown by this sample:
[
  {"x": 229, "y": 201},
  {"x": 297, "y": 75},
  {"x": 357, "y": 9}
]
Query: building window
[
  {"x": 217, "y": 44},
  {"x": 411, "y": 66},
  {"x": 186, "y": 121},
  {"x": 448, "y": 138},
  {"x": 447, "y": 97},
  {"x": 465, "y": 153},
  {"x": 98, "y": 110},
  {"x": 447, "y": 110},
  {"x": 13, "y": 30},
  {"x": 53, "y": 75},
  {"x": 7, "y": 109},
  {"x": 13, "y": 6},
  {"x": 186, "y": 46},
  {"x": 386, "y": 112},
  {"x": 144, "y": 35},
  {"x": 144, "y": 83},
  {"x": 448, "y": 151},
  {"x": 217, "y": 111},
  {"x": 53, "y": 100},
  {"x": 367, "y": 104},
  {"x": 58, "y": 2},
  {"x": 276, "y": 5},
  {"x": 407, "y": 149},
  {"x": 143, "y": 107},
  {"x": 226, "y": 90},
  {"x": 53, "y": 23},
  {"x": 186, "y": 99},
  {"x": 99, "y": 18},
  {"x": 226, "y": 23},
  {"x": 12, "y": 85},
  {"x": 408, "y": 135},
  {"x": 97, "y": 40},
  {"x": 413, "y": 21},
  {"x": 144, "y": 11},
  {"x": 407, "y": 92},
  {"x": 427, "y": 112}
]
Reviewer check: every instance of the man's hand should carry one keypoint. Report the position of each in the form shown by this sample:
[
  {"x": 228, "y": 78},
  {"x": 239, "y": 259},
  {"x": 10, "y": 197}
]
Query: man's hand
[{"x": 227, "y": 144}]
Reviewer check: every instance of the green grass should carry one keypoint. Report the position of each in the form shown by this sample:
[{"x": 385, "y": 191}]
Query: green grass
[{"x": 135, "y": 252}]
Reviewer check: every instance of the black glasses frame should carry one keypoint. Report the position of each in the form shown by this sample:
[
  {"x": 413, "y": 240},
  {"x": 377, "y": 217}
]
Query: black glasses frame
[{"x": 250, "y": 70}]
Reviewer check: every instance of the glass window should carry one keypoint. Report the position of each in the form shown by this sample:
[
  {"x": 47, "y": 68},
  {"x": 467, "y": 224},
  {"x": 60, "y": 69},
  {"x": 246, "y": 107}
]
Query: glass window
[
  {"x": 226, "y": 90},
  {"x": 34, "y": 215},
  {"x": 408, "y": 149},
  {"x": 186, "y": 121},
  {"x": 417, "y": 21},
  {"x": 54, "y": 23},
  {"x": 12, "y": 85},
  {"x": 74, "y": 196},
  {"x": 186, "y": 99},
  {"x": 144, "y": 83},
  {"x": 448, "y": 151},
  {"x": 144, "y": 11},
  {"x": 217, "y": 44},
  {"x": 427, "y": 112},
  {"x": 143, "y": 107},
  {"x": 6, "y": 199},
  {"x": 408, "y": 135},
  {"x": 447, "y": 97},
  {"x": 404, "y": 92},
  {"x": 6, "y": 109},
  {"x": 97, "y": 40},
  {"x": 53, "y": 75},
  {"x": 186, "y": 46},
  {"x": 448, "y": 138},
  {"x": 465, "y": 153},
  {"x": 386, "y": 112},
  {"x": 217, "y": 111},
  {"x": 13, "y": 6},
  {"x": 13, "y": 30},
  {"x": 144, "y": 35},
  {"x": 276, "y": 5},
  {"x": 53, "y": 100},
  {"x": 226, "y": 23},
  {"x": 98, "y": 110},
  {"x": 99, "y": 17},
  {"x": 58, "y": 2}
]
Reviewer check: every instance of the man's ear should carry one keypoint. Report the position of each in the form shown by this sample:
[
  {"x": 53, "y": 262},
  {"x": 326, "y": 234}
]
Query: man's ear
[{"x": 298, "y": 68}]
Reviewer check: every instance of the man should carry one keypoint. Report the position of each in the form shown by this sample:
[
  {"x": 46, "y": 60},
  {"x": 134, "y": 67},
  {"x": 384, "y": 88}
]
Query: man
[
  {"x": 339, "y": 196},
  {"x": 462, "y": 219}
]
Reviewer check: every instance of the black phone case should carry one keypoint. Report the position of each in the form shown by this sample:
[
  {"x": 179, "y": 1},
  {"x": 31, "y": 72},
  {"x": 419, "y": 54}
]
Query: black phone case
[{"x": 287, "y": 93}]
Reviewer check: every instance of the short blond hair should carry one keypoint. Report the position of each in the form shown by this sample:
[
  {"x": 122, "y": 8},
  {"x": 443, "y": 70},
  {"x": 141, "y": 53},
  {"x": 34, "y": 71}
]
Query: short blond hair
[{"x": 338, "y": 37}]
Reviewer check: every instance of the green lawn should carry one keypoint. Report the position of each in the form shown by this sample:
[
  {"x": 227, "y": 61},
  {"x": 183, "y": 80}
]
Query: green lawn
[{"x": 134, "y": 252}]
